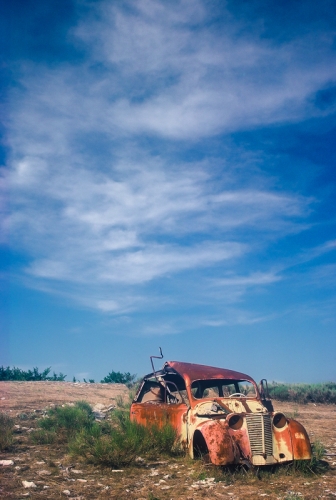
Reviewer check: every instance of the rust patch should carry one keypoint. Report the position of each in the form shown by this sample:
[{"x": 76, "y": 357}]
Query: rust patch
[{"x": 300, "y": 441}]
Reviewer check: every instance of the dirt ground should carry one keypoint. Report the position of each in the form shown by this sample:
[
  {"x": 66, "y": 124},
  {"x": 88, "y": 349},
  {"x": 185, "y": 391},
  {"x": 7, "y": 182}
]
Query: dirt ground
[{"x": 57, "y": 475}]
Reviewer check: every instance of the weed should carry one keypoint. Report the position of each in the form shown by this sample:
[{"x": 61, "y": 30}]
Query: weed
[
  {"x": 114, "y": 443},
  {"x": 6, "y": 431},
  {"x": 295, "y": 413},
  {"x": 316, "y": 464},
  {"x": 152, "y": 497},
  {"x": 68, "y": 420},
  {"x": 121, "y": 403},
  {"x": 119, "y": 443},
  {"x": 23, "y": 416},
  {"x": 42, "y": 436}
]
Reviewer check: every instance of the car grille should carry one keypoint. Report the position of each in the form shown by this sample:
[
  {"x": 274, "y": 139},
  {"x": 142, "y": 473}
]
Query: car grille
[{"x": 259, "y": 428}]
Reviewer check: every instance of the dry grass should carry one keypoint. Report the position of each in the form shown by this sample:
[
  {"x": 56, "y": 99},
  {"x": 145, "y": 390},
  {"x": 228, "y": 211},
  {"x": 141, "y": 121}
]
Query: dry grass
[{"x": 175, "y": 477}]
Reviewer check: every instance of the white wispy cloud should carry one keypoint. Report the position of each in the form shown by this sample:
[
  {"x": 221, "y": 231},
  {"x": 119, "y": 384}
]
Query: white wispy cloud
[
  {"x": 4, "y": 206},
  {"x": 254, "y": 279},
  {"x": 185, "y": 82},
  {"x": 91, "y": 201}
]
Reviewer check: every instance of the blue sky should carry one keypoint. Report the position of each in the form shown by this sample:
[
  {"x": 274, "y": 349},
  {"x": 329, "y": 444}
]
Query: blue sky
[{"x": 168, "y": 179}]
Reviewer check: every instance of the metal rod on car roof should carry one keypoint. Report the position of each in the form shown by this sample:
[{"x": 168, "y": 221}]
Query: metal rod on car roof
[{"x": 156, "y": 357}]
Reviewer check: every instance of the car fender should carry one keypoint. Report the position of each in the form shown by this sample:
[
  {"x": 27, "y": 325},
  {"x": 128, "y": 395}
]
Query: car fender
[
  {"x": 300, "y": 440},
  {"x": 222, "y": 449}
]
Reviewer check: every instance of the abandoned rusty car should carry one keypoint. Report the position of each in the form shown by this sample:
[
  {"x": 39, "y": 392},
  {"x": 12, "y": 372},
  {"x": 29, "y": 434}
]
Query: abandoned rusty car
[{"x": 220, "y": 415}]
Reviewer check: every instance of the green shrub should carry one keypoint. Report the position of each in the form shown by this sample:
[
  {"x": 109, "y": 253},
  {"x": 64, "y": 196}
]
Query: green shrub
[
  {"x": 68, "y": 420},
  {"x": 6, "y": 431},
  {"x": 42, "y": 436},
  {"x": 119, "y": 443},
  {"x": 14, "y": 373},
  {"x": 119, "y": 378},
  {"x": 114, "y": 443},
  {"x": 304, "y": 393}
]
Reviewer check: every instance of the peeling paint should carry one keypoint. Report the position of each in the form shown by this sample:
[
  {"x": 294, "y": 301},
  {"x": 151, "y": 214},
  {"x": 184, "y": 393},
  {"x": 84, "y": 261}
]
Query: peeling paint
[{"x": 219, "y": 414}]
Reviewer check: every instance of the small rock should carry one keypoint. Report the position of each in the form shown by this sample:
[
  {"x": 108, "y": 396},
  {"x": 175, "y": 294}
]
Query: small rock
[
  {"x": 117, "y": 470},
  {"x": 76, "y": 471},
  {"x": 98, "y": 407},
  {"x": 66, "y": 492},
  {"x": 29, "y": 484},
  {"x": 99, "y": 415},
  {"x": 5, "y": 463},
  {"x": 44, "y": 473},
  {"x": 82, "y": 480},
  {"x": 46, "y": 487}
]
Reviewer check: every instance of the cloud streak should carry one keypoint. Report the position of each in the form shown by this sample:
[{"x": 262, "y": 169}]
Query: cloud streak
[{"x": 102, "y": 192}]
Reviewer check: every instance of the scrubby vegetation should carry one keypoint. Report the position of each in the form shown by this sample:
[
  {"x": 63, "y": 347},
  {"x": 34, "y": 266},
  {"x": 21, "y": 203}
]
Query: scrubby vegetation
[
  {"x": 16, "y": 374},
  {"x": 6, "y": 431},
  {"x": 7, "y": 373},
  {"x": 304, "y": 393},
  {"x": 120, "y": 444},
  {"x": 316, "y": 465},
  {"x": 115, "y": 443},
  {"x": 119, "y": 378}
]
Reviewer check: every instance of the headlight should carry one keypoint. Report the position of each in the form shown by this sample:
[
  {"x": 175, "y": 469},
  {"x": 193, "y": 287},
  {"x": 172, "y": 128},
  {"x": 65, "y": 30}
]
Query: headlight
[
  {"x": 279, "y": 420},
  {"x": 235, "y": 422}
]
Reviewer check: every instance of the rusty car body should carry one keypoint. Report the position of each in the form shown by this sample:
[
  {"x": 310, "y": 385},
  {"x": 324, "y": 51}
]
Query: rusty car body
[{"x": 219, "y": 414}]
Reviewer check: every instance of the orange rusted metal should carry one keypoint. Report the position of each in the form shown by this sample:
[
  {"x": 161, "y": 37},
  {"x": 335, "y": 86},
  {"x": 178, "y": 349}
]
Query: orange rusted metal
[
  {"x": 300, "y": 441},
  {"x": 220, "y": 414}
]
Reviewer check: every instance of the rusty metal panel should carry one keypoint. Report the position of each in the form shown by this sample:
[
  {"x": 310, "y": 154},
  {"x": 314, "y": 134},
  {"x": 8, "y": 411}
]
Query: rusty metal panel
[
  {"x": 191, "y": 372},
  {"x": 300, "y": 441},
  {"x": 230, "y": 428},
  {"x": 222, "y": 449},
  {"x": 161, "y": 414}
]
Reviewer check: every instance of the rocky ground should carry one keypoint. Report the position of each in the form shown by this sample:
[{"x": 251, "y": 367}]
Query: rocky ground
[{"x": 41, "y": 471}]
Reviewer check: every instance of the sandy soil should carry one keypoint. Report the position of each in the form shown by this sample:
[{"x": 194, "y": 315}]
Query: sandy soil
[{"x": 54, "y": 473}]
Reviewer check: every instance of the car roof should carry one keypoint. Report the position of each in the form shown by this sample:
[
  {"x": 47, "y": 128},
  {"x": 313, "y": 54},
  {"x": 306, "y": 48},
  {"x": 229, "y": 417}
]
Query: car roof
[{"x": 191, "y": 372}]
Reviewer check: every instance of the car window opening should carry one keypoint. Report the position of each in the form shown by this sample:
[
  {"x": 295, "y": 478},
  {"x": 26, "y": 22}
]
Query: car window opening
[{"x": 219, "y": 388}]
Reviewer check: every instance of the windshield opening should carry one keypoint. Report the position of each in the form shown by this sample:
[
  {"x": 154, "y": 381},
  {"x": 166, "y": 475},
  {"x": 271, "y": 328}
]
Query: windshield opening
[{"x": 219, "y": 388}]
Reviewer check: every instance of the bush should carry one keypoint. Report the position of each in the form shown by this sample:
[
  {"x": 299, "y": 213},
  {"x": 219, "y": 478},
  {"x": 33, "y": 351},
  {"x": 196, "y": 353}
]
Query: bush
[
  {"x": 6, "y": 431},
  {"x": 114, "y": 443},
  {"x": 118, "y": 444},
  {"x": 119, "y": 378},
  {"x": 42, "y": 436},
  {"x": 7, "y": 374},
  {"x": 304, "y": 393},
  {"x": 66, "y": 421}
]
